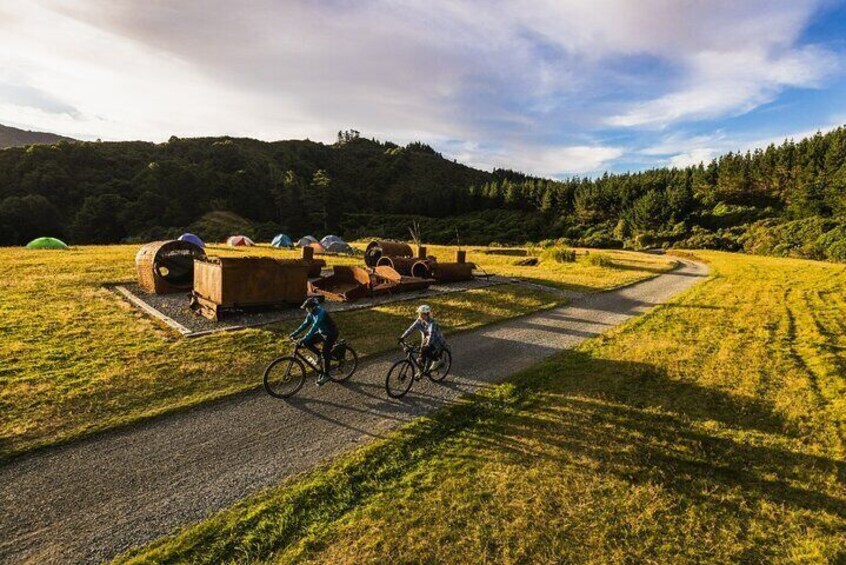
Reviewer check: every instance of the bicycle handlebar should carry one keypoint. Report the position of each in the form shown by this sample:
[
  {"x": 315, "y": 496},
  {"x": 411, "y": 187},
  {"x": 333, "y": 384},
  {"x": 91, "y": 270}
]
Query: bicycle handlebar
[{"x": 406, "y": 346}]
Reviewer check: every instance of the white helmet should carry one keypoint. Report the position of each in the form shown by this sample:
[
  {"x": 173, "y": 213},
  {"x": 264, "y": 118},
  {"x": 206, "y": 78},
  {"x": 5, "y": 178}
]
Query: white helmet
[{"x": 424, "y": 309}]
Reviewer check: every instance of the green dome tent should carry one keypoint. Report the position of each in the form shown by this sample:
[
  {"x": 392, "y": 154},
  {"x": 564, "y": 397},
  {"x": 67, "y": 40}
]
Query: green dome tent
[{"x": 46, "y": 243}]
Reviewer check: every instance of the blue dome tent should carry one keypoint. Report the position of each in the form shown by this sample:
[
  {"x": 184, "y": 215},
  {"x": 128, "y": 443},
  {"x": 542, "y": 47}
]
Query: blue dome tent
[
  {"x": 191, "y": 238},
  {"x": 282, "y": 240}
]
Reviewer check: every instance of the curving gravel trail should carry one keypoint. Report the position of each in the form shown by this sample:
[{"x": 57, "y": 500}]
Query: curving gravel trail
[{"x": 90, "y": 500}]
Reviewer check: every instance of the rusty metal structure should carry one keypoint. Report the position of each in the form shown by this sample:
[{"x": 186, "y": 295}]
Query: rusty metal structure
[
  {"x": 422, "y": 269},
  {"x": 461, "y": 270},
  {"x": 345, "y": 284},
  {"x": 167, "y": 266},
  {"x": 400, "y": 264},
  {"x": 409, "y": 266},
  {"x": 377, "y": 249},
  {"x": 315, "y": 265},
  {"x": 224, "y": 283},
  {"x": 388, "y": 280},
  {"x": 453, "y": 272}
]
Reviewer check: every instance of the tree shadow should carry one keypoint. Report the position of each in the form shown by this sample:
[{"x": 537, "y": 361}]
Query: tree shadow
[{"x": 635, "y": 423}]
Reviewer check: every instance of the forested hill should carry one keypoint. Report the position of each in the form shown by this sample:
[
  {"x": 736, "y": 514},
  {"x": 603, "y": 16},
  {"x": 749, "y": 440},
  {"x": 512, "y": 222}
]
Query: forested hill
[
  {"x": 107, "y": 192},
  {"x": 14, "y": 137},
  {"x": 788, "y": 199}
]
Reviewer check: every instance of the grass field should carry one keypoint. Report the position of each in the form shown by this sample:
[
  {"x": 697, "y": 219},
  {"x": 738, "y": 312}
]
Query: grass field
[
  {"x": 582, "y": 275},
  {"x": 710, "y": 430},
  {"x": 78, "y": 359}
]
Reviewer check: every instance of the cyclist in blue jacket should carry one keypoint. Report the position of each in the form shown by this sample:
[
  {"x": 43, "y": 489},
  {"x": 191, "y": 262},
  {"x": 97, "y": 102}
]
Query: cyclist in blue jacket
[{"x": 322, "y": 330}]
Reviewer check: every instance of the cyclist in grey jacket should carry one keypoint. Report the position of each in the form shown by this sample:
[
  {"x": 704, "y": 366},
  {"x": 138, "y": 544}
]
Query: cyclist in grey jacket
[{"x": 432, "y": 342}]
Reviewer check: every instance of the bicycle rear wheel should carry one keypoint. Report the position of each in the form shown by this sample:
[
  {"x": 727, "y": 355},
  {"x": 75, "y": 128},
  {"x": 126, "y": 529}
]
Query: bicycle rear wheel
[
  {"x": 342, "y": 366},
  {"x": 399, "y": 379},
  {"x": 441, "y": 372},
  {"x": 284, "y": 377}
]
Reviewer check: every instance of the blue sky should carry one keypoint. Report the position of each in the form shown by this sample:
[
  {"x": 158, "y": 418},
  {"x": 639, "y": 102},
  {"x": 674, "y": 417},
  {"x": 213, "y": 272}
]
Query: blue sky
[{"x": 553, "y": 88}]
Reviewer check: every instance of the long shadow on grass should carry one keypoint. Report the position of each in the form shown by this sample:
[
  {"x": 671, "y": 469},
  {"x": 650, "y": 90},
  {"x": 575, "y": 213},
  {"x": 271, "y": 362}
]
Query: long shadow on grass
[{"x": 639, "y": 425}]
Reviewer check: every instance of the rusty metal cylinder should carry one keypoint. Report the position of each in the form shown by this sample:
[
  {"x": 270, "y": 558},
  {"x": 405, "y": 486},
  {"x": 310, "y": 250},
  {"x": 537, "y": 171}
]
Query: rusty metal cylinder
[
  {"x": 422, "y": 269},
  {"x": 167, "y": 266},
  {"x": 377, "y": 249},
  {"x": 402, "y": 265},
  {"x": 460, "y": 256},
  {"x": 452, "y": 272}
]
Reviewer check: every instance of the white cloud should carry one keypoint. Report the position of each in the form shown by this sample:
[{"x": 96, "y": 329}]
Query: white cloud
[
  {"x": 542, "y": 161},
  {"x": 731, "y": 83},
  {"x": 529, "y": 82}
]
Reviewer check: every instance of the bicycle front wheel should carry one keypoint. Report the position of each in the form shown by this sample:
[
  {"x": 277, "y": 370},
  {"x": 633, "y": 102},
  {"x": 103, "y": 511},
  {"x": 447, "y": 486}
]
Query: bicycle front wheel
[
  {"x": 399, "y": 379},
  {"x": 284, "y": 377},
  {"x": 344, "y": 365}
]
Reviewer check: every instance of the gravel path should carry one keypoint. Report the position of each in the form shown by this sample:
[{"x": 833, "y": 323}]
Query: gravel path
[{"x": 88, "y": 501}]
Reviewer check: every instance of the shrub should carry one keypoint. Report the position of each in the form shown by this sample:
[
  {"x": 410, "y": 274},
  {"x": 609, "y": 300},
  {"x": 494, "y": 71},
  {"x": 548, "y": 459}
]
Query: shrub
[
  {"x": 559, "y": 254},
  {"x": 601, "y": 241},
  {"x": 833, "y": 244},
  {"x": 599, "y": 260},
  {"x": 799, "y": 238}
]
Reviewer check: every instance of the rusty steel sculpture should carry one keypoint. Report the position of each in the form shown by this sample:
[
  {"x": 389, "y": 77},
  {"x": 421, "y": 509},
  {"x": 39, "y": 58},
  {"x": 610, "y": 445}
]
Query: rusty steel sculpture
[
  {"x": 228, "y": 283},
  {"x": 167, "y": 266},
  {"x": 377, "y": 249}
]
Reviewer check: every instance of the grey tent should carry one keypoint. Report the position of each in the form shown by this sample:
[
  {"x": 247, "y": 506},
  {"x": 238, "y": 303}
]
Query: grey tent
[
  {"x": 329, "y": 240},
  {"x": 307, "y": 240},
  {"x": 339, "y": 247}
]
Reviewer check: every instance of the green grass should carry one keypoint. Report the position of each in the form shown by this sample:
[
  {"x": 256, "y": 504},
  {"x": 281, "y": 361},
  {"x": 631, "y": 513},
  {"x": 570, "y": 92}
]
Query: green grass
[
  {"x": 78, "y": 359},
  {"x": 709, "y": 430},
  {"x": 583, "y": 275}
]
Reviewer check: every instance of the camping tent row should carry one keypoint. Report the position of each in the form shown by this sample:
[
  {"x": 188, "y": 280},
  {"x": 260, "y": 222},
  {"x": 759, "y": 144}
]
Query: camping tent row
[{"x": 329, "y": 244}]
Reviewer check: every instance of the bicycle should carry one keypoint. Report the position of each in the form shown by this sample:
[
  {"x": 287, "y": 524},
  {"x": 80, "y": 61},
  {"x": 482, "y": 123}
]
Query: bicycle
[
  {"x": 405, "y": 371},
  {"x": 285, "y": 375}
]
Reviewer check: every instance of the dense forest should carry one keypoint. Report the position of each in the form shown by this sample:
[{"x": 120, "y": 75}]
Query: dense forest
[{"x": 787, "y": 200}]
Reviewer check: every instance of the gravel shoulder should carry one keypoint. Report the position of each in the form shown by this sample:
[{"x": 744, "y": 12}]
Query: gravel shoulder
[{"x": 88, "y": 501}]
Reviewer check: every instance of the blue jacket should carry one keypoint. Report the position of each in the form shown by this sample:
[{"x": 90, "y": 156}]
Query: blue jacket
[
  {"x": 320, "y": 323},
  {"x": 431, "y": 332}
]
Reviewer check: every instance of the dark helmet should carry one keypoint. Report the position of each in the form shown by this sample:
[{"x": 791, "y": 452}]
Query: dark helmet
[{"x": 310, "y": 304}]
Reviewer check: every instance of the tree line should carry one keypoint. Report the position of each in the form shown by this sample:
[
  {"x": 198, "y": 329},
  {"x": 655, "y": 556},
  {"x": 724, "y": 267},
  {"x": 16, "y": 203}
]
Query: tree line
[{"x": 785, "y": 199}]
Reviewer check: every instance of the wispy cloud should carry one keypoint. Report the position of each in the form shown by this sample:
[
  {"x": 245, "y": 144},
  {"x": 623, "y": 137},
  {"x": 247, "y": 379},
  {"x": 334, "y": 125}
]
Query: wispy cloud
[
  {"x": 723, "y": 83},
  {"x": 555, "y": 162},
  {"x": 544, "y": 86}
]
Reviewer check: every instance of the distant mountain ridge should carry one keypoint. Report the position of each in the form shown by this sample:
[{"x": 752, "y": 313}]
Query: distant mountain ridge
[{"x": 14, "y": 137}]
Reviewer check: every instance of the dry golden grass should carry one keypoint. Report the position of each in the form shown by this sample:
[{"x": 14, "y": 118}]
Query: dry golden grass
[
  {"x": 710, "y": 430},
  {"x": 76, "y": 358}
]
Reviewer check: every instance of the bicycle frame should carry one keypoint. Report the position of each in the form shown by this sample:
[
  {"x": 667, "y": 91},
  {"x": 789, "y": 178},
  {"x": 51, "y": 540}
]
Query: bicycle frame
[
  {"x": 297, "y": 353},
  {"x": 412, "y": 353}
]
